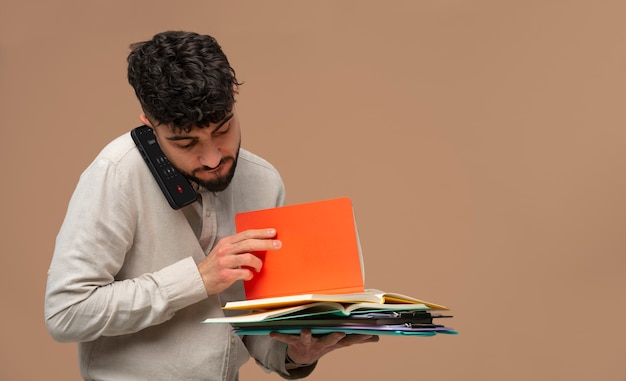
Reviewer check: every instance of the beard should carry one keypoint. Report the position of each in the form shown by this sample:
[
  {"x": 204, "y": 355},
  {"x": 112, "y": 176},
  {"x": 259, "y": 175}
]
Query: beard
[{"x": 219, "y": 183}]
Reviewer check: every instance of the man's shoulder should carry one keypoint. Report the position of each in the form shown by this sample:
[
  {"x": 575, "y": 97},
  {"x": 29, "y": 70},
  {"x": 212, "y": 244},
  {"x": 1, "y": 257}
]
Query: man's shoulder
[
  {"x": 120, "y": 151},
  {"x": 118, "y": 148},
  {"x": 121, "y": 156},
  {"x": 253, "y": 162},
  {"x": 254, "y": 172},
  {"x": 257, "y": 183}
]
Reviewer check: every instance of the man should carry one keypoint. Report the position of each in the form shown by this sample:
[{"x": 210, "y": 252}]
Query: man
[{"x": 131, "y": 278}]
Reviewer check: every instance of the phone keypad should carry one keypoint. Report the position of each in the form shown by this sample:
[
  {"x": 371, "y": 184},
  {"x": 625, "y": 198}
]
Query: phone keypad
[{"x": 166, "y": 167}]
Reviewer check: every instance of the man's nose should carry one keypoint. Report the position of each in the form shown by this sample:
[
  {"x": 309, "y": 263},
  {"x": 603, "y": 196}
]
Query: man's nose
[{"x": 211, "y": 156}]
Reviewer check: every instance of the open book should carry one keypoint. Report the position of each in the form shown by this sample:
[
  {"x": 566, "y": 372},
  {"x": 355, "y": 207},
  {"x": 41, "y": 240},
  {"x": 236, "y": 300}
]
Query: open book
[
  {"x": 369, "y": 296},
  {"x": 317, "y": 309}
]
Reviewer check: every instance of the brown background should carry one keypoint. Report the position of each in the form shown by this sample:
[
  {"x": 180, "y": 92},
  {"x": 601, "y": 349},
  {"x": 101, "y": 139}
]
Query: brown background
[{"x": 482, "y": 143}]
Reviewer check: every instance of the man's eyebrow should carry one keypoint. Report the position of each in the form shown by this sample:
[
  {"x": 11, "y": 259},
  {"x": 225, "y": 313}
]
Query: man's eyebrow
[
  {"x": 228, "y": 117},
  {"x": 178, "y": 137},
  {"x": 220, "y": 124}
]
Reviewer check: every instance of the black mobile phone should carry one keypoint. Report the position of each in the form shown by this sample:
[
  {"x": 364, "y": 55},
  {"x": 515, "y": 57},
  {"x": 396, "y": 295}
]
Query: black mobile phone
[{"x": 177, "y": 190}]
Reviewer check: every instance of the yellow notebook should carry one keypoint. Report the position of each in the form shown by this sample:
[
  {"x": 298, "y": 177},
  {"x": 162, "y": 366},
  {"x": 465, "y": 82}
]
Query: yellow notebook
[{"x": 382, "y": 299}]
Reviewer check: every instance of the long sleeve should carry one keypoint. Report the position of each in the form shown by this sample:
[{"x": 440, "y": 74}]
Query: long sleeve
[{"x": 84, "y": 298}]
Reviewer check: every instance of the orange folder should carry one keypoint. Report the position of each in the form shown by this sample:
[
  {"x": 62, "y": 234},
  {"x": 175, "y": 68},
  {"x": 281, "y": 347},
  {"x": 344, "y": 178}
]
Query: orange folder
[{"x": 320, "y": 252}]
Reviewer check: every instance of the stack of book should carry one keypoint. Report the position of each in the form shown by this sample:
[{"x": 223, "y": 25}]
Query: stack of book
[
  {"x": 372, "y": 312},
  {"x": 316, "y": 280}
]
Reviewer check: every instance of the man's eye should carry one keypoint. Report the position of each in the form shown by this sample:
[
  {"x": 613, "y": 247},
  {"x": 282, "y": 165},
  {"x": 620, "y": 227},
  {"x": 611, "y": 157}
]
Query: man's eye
[
  {"x": 185, "y": 146},
  {"x": 220, "y": 132},
  {"x": 223, "y": 130}
]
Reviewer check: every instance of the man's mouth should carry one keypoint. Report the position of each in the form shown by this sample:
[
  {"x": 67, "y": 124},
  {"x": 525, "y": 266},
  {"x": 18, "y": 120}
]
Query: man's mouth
[{"x": 207, "y": 169}]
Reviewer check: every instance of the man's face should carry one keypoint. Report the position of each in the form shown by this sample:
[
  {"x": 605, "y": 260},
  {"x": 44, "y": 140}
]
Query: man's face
[{"x": 207, "y": 156}]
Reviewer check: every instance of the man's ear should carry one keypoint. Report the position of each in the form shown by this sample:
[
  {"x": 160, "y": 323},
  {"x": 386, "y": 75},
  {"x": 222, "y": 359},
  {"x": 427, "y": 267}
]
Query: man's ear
[{"x": 144, "y": 120}]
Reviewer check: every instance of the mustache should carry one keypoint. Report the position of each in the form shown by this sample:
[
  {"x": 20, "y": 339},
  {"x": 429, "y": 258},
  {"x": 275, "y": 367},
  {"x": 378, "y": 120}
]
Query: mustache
[{"x": 207, "y": 168}]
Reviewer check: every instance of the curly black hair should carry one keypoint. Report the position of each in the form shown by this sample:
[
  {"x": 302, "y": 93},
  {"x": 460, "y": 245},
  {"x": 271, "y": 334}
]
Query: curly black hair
[{"x": 182, "y": 79}]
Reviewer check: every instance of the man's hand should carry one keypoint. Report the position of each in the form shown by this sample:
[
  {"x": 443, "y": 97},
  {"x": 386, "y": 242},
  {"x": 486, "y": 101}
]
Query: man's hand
[
  {"x": 306, "y": 349},
  {"x": 232, "y": 259}
]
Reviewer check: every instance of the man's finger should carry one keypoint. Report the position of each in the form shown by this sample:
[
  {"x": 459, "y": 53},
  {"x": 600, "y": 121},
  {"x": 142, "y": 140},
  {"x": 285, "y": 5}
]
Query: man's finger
[
  {"x": 284, "y": 338},
  {"x": 333, "y": 338},
  {"x": 254, "y": 234},
  {"x": 358, "y": 339},
  {"x": 306, "y": 337},
  {"x": 253, "y": 244}
]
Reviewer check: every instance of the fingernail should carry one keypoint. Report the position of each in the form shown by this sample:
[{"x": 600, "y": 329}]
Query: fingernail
[
  {"x": 277, "y": 244},
  {"x": 271, "y": 231}
]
